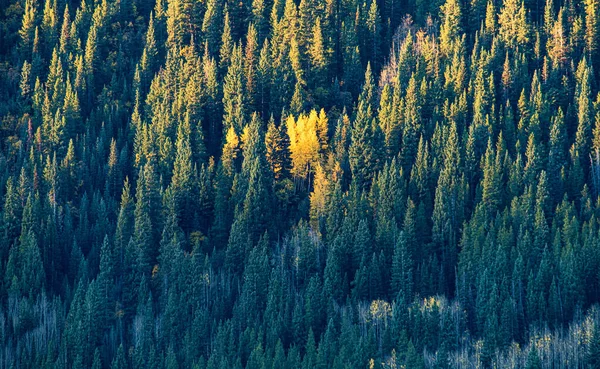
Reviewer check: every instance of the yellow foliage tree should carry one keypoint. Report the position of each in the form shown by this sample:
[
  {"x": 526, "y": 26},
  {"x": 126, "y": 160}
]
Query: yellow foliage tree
[{"x": 304, "y": 143}]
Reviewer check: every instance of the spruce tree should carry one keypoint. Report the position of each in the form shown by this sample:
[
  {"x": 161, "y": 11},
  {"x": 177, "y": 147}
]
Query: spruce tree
[
  {"x": 593, "y": 349},
  {"x": 234, "y": 103},
  {"x": 513, "y": 25}
]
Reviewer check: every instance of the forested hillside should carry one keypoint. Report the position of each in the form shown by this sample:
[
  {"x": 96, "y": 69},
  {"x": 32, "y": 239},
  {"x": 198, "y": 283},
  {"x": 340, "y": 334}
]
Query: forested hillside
[{"x": 274, "y": 184}]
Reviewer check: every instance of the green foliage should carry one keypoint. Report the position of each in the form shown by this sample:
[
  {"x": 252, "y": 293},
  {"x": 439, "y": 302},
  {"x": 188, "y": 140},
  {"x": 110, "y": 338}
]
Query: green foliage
[
  {"x": 593, "y": 353},
  {"x": 316, "y": 183}
]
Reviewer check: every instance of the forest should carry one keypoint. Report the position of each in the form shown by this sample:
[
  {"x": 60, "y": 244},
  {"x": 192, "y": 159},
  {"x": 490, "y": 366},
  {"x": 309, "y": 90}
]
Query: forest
[{"x": 314, "y": 184}]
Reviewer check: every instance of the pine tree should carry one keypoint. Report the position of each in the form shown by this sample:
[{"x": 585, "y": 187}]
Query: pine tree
[
  {"x": 411, "y": 126},
  {"x": 144, "y": 227},
  {"x": 362, "y": 246},
  {"x": 233, "y": 93},
  {"x": 388, "y": 119},
  {"x": 584, "y": 111},
  {"x": 259, "y": 18},
  {"x": 333, "y": 282},
  {"x": 298, "y": 102},
  {"x": 402, "y": 268},
  {"x": 97, "y": 361},
  {"x": 25, "y": 84},
  {"x": 119, "y": 362},
  {"x": 318, "y": 58},
  {"x": 556, "y": 154},
  {"x": 413, "y": 359},
  {"x": 451, "y": 25},
  {"x": 512, "y": 21},
  {"x": 50, "y": 24},
  {"x": 181, "y": 182},
  {"x": 277, "y": 150},
  {"x": 28, "y": 27},
  {"x": 64, "y": 41},
  {"x": 227, "y": 44},
  {"x": 361, "y": 151},
  {"x": 28, "y": 269},
  {"x": 263, "y": 79},
  {"x": 448, "y": 206},
  {"x": 176, "y": 23},
  {"x": 223, "y": 185},
  {"x": 558, "y": 47},
  {"x": 237, "y": 245},
  {"x": 420, "y": 174},
  {"x": 124, "y": 220},
  {"x": 170, "y": 246},
  {"x": 492, "y": 185},
  {"x": 593, "y": 349},
  {"x": 533, "y": 359},
  {"x": 373, "y": 23},
  {"x": 211, "y": 27},
  {"x": 591, "y": 29},
  {"x": 148, "y": 61},
  {"x": 256, "y": 279},
  {"x": 252, "y": 211},
  {"x": 364, "y": 160},
  {"x": 351, "y": 59}
]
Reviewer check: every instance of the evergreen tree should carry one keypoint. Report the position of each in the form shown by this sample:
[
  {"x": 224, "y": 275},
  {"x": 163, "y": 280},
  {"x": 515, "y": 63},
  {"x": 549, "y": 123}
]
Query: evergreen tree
[
  {"x": 318, "y": 57},
  {"x": 533, "y": 360},
  {"x": 451, "y": 25},
  {"x": 593, "y": 358},
  {"x": 181, "y": 182},
  {"x": 411, "y": 126},
  {"x": 211, "y": 27},
  {"x": 233, "y": 93},
  {"x": 28, "y": 28},
  {"x": 512, "y": 20},
  {"x": 362, "y": 152},
  {"x": 315, "y": 183},
  {"x": 448, "y": 208}
]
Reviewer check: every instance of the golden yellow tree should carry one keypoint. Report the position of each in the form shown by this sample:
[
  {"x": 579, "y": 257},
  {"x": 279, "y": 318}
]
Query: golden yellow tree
[{"x": 304, "y": 143}]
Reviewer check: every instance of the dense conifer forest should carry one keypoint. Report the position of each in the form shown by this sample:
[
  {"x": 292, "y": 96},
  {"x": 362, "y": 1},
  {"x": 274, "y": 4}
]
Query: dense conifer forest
[{"x": 281, "y": 184}]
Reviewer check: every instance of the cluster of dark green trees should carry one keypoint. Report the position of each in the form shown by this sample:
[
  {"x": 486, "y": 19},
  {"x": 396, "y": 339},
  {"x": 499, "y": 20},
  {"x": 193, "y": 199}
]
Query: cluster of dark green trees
[{"x": 274, "y": 184}]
